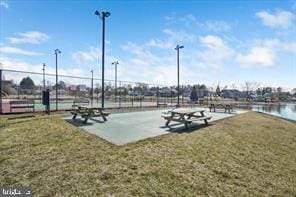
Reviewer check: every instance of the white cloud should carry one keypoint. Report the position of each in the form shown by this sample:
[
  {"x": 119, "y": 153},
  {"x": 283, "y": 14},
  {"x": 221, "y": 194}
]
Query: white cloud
[
  {"x": 216, "y": 50},
  {"x": 217, "y": 26},
  {"x": 187, "y": 19},
  {"x": 257, "y": 57},
  {"x": 289, "y": 47},
  {"x": 87, "y": 56},
  {"x": 171, "y": 39},
  {"x": 146, "y": 63},
  {"x": 146, "y": 66},
  {"x": 264, "y": 52},
  {"x": 281, "y": 19},
  {"x": 178, "y": 35},
  {"x": 91, "y": 60},
  {"x": 4, "y": 4},
  {"x": 190, "y": 21},
  {"x": 31, "y": 37},
  {"x": 14, "y": 50},
  {"x": 162, "y": 44},
  {"x": 15, "y": 64},
  {"x": 211, "y": 41},
  {"x": 142, "y": 55},
  {"x": 277, "y": 45}
]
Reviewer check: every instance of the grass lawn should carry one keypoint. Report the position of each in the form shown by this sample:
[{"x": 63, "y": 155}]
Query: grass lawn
[{"x": 249, "y": 154}]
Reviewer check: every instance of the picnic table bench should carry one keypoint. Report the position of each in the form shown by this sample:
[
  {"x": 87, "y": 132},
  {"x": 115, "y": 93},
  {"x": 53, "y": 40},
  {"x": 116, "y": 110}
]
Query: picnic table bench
[
  {"x": 88, "y": 112},
  {"x": 226, "y": 107},
  {"x": 186, "y": 117},
  {"x": 22, "y": 104}
]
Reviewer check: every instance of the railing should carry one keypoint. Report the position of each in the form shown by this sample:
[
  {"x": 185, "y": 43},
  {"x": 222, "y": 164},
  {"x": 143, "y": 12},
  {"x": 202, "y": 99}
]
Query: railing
[{"x": 21, "y": 85}]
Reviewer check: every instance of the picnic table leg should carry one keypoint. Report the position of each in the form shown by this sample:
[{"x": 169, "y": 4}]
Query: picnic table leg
[
  {"x": 103, "y": 116},
  {"x": 74, "y": 116},
  {"x": 85, "y": 120},
  {"x": 182, "y": 117},
  {"x": 189, "y": 116},
  {"x": 169, "y": 120},
  {"x": 167, "y": 123}
]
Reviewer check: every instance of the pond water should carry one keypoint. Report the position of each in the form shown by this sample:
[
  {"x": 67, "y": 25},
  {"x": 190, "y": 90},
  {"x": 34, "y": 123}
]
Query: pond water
[{"x": 287, "y": 111}]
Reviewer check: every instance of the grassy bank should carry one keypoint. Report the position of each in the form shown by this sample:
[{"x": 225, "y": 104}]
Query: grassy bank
[{"x": 250, "y": 154}]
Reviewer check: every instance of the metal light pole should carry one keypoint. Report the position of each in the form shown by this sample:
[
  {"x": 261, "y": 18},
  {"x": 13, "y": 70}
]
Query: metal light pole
[
  {"x": 115, "y": 63},
  {"x": 178, "y": 48},
  {"x": 92, "y": 87},
  {"x": 57, "y": 51},
  {"x": 102, "y": 16},
  {"x": 43, "y": 69}
]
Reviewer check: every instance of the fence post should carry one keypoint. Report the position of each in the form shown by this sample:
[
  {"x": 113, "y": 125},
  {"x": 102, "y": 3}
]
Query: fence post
[
  {"x": 0, "y": 91},
  {"x": 182, "y": 95},
  {"x": 157, "y": 97},
  {"x": 119, "y": 94},
  {"x": 171, "y": 96}
]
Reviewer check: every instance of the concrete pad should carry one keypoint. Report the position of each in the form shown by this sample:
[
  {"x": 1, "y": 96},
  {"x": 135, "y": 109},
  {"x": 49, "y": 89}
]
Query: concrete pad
[{"x": 123, "y": 128}]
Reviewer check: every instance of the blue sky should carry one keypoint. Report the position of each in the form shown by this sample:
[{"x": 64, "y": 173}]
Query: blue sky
[{"x": 226, "y": 42}]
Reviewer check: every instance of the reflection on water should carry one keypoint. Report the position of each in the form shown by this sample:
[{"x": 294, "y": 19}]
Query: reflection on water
[{"x": 283, "y": 110}]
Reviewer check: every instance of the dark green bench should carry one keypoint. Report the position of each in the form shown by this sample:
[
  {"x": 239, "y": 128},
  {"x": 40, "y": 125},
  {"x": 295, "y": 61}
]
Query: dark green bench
[
  {"x": 227, "y": 107},
  {"x": 22, "y": 104}
]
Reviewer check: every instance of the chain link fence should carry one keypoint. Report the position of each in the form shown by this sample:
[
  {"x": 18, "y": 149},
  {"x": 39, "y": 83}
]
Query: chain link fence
[{"x": 21, "y": 89}]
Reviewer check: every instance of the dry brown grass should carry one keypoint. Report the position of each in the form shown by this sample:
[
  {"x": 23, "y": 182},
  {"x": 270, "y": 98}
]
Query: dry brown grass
[{"x": 250, "y": 154}]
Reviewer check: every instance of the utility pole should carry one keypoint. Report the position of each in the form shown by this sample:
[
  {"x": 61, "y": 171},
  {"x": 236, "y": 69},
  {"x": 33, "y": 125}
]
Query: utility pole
[
  {"x": 57, "y": 51},
  {"x": 115, "y": 63},
  {"x": 92, "y": 87},
  {"x": 178, "y": 73},
  {"x": 102, "y": 16}
]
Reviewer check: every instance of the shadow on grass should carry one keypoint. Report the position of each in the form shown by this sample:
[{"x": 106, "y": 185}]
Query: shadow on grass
[
  {"x": 182, "y": 129},
  {"x": 80, "y": 122}
]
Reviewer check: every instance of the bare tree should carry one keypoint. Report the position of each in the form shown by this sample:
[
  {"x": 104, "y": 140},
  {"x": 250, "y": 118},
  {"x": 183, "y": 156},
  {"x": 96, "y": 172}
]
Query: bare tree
[{"x": 250, "y": 86}]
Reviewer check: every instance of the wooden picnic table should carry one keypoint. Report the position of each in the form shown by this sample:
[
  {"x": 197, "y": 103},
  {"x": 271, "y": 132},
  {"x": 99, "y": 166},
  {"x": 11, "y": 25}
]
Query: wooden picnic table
[
  {"x": 186, "y": 116},
  {"x": 87, "y": 112}
]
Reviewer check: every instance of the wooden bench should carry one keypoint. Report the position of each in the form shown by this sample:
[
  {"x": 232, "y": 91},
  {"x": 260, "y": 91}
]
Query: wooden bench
[
  {"x": 226, "y": 107},
  {"x": 161, "y": 105},
  {"x": 22, "y": 104}
]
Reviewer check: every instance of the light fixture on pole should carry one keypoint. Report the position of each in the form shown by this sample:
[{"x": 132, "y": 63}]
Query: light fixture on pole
[
  {"x": 56, "y": 52},
  {"x": 178, "y": 72},
  {"x": 102, "y": 16},
  {"x": 115, "y": 63}
]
